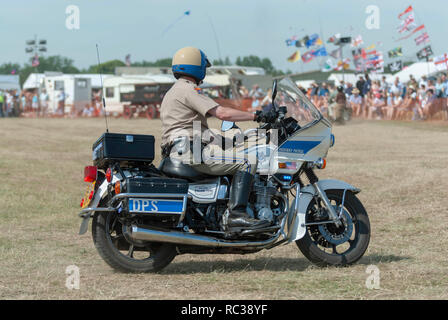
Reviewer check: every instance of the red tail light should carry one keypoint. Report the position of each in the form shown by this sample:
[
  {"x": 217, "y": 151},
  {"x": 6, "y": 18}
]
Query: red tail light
[
  {"x": 109, "y": 175},
  {"x": 90, "y": 173}
]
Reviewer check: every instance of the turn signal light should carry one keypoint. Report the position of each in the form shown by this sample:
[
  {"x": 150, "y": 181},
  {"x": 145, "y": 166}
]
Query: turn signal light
[
  {"x": 321, "y": 163},
  {"x": 109, "y": 175},
  {"x": 90, "y": 173},
  {"x": 117, "y": 187}
]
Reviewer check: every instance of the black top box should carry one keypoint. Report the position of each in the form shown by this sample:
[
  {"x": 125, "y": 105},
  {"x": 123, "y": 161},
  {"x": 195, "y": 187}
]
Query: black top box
[{"x": 120, "y": 147}]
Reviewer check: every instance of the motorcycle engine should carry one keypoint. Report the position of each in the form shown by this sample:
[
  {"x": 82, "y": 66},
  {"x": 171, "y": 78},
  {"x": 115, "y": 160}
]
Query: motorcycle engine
[{"x": 263, "y": 198}]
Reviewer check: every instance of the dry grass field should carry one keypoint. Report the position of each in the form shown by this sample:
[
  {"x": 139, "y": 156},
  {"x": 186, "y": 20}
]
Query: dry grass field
[{"x": 401, "y": 168}]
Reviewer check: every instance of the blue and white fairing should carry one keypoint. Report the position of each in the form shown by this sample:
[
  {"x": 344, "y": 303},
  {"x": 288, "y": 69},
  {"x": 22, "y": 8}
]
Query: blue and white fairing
[{"x": 307, "y": 144}]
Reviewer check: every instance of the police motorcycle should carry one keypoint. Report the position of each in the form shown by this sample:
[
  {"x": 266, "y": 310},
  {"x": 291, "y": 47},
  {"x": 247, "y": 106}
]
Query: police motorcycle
[{"x": 143, "y": 215}]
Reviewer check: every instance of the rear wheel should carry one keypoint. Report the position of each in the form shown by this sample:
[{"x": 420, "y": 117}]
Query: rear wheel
[
  {"x": 330, "y": 245},
  {"x": 123, "y": 254}
]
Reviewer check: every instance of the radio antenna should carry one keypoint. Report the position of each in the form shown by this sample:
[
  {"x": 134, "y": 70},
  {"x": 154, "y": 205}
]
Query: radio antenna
[{"x": 102, "y": 88}]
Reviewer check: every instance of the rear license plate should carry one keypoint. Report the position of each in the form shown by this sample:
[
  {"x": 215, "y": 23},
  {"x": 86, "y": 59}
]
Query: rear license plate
[{"x": 156, "y": 206}]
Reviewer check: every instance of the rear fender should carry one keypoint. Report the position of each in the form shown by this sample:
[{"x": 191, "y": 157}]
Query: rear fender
[
  {"x": 101, "y": 192},
  {"x": 306, "y": 196}
]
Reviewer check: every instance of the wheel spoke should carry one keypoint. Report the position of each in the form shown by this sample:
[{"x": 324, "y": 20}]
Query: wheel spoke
[
  {"x": 334, "y": 249},
  {"x": 131, "y": 251}
]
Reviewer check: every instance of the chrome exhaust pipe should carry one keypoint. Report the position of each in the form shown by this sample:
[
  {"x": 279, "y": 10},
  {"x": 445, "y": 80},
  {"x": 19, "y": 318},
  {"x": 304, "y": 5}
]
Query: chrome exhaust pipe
[{"x": 137, "y": 233}]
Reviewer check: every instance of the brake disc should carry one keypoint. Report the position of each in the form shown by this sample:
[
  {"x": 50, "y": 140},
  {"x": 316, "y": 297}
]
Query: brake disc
[{"x": 338, "y": 235}]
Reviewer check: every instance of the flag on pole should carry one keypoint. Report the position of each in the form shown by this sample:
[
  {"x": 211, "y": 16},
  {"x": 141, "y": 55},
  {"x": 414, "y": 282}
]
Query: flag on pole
[
  {"x": 356, "y": 42},
  {"x": 312, "y": 40},
  {"x": 423, "y": 38},
  {"x": 408, "y": 9},
  {"x": 395, "y": 66},
  {"x": 35, "y": 61},
  {"x": 343, "y": 65},
  {"x": 424, "y": 53},
  {"x": 408, "y": 24},
  {"x": 397, "y": 52},
  {"x": 328, "y": 66},
  {"x": 307, "y": 56},
  {"x": 337, "y": 54},
  {"x": 294, "y": 57},
  {"x": 128, "y": 60},
  {"x": 412, "y": 32},
  {"x": 441, "y": 62},
  {"x": 319, "y": 52},
  {"x": 334, "y": 38}
]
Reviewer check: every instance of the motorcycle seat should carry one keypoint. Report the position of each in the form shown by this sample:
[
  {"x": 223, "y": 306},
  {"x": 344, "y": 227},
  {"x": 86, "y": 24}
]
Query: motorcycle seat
[{"x": 176, "y": 169}]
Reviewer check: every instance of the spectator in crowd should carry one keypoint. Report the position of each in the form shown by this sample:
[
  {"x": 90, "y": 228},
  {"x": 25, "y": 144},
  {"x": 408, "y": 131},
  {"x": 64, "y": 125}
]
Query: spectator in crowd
[
  {"x": 22, "y": 101},
  {"x": 335, "y": 110},
  {"x": 355, "y": 101},
  {"x": 88, "y": 111},
  {"x": 16, "y": 105},
  {"x": 2, "y": 101},
  {"x": 424, "y": 81},
  {"x": 360, "y": 85},
  {"x": 256, "y": 92},
  {"x": 61, "y": 103},
  {"x": 367, "y": 84},
  {"x": 429, "y": 104},
  {"x": 35, "y": 104},
  {"x": 375, "y": 109},
  {"x": 396, "y": 87},
  {"x": 348, "y": 89},
  {"x": 394, "y": 104},
  {"x": 267, "y": 99},
  {"x": 384, "y": 86},
  {"x": 44, "y": 102}
]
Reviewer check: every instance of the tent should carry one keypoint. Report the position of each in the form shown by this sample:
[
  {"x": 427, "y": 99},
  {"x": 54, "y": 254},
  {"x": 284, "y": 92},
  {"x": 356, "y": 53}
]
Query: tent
[
  {"x": 417, "y": 70},
  {"x": 354, "y": 77}
]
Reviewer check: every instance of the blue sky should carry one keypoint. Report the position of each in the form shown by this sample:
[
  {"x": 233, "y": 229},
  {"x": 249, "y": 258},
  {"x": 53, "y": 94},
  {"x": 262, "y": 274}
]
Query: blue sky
[{"x": 242, "y": 27}]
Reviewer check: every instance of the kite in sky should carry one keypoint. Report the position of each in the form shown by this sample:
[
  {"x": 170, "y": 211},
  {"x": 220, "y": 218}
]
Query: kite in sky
[{"x": 186, "y": 13}]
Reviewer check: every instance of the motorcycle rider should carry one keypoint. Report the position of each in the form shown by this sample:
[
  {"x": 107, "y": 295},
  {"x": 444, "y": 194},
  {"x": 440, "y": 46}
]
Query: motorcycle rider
[{"x": 184, "y": 104}]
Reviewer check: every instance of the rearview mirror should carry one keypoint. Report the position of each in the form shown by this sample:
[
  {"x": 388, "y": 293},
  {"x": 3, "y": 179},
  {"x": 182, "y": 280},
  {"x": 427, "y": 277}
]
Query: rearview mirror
[{"x": 227, "y": 125}]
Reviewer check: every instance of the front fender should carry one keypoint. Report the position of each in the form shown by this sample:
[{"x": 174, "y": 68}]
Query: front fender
[{"x": 306, "y": 195}]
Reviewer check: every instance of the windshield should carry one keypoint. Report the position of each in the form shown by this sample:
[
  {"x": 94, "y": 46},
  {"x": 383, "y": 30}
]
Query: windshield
[{"x": 298, "y": 105}]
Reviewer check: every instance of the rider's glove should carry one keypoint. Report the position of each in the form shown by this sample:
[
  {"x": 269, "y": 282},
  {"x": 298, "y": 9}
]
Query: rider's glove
[{"x": 266, "y": 116}]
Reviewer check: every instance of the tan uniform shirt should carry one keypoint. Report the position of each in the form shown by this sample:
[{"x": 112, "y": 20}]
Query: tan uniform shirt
[{"x": 181, "y": 106}]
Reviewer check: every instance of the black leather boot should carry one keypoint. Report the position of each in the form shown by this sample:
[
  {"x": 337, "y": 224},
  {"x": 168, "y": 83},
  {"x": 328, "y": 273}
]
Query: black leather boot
[{"x": 238, "y": 217}]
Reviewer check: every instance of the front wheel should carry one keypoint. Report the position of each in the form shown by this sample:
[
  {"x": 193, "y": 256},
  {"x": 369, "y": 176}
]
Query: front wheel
[
  {"x": 121, "y": 253},
  {"x": 330, "y": 245}
]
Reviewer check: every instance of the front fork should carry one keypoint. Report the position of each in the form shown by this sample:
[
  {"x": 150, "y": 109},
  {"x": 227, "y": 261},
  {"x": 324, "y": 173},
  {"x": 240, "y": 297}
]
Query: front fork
[{"x": 323, "y": 196}]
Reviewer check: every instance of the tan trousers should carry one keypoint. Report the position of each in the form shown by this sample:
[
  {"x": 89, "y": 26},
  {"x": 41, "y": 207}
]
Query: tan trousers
[{"x": 219, "y": 162}]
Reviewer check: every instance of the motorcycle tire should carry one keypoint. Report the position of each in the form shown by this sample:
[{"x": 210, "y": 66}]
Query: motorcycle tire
[
  {"x": 312, "y": 243},
  {"x": 160, "y": 254}
]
